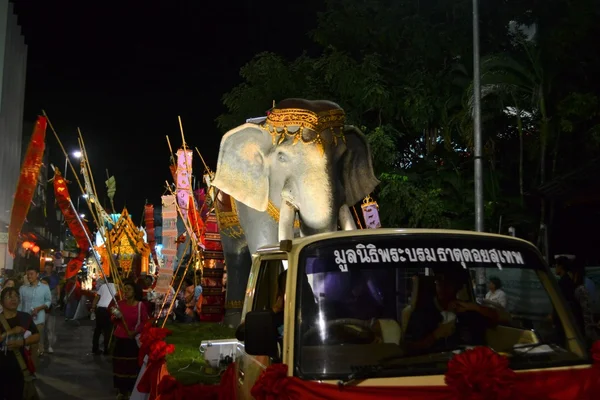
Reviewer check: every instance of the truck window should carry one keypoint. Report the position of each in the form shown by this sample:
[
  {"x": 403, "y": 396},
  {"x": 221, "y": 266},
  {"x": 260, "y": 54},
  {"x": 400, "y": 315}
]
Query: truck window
[
  {"x": 266, "y": 285},
  {"x": 372, "y": 313}
]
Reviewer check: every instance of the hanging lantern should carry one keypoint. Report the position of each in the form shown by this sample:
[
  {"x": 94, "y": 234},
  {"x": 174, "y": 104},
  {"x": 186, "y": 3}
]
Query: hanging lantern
[
  {"x": 35, "y": 249},
  {"x": 27, "y": 245},
  {"x": 370, "y": 211}
]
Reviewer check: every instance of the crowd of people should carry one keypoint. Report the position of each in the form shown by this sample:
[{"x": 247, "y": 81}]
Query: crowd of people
[{"x": 30, "y": 304}]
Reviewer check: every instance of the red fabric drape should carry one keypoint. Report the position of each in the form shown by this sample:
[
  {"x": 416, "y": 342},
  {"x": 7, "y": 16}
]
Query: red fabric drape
[
  {"x": 30, "y": 171},
  {"x": 173, "y": 169},
  {"x": 478, "y": 374},
  {"x": 63, "y": 199}
]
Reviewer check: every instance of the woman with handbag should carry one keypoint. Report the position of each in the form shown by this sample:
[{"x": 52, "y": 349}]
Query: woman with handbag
[
  {"x": 17, "y": 331},
  {"x": 129, "y": 317}
]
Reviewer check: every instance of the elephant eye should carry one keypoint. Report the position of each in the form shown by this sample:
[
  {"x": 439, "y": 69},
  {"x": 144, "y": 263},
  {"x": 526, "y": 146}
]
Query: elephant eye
[{"x": 281, "y": 157}]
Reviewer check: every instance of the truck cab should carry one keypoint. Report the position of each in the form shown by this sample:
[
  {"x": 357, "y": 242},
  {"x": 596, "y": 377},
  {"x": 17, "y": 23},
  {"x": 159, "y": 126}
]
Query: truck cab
[{"x": 391, "y": 307}]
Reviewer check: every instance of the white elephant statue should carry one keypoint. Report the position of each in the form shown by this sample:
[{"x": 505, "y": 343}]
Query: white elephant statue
[{"x": 301, "y": 166}]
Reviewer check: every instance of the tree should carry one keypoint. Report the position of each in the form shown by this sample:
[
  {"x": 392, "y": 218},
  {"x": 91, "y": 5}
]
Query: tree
[{"x": 401, "y": 70}]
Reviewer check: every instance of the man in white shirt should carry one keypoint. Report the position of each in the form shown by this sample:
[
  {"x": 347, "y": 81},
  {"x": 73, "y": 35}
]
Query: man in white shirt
[
  {"x": 104, "y": 297},
  {"x": 35, "y": 300}
]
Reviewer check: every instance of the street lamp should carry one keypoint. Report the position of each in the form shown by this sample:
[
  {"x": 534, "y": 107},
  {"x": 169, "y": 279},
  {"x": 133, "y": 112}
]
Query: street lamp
[{"x": 77, "y": 154}]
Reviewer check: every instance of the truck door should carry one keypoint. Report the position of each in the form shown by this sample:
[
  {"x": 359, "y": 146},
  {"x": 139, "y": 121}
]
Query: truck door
[{"x": 261, "y": 294}]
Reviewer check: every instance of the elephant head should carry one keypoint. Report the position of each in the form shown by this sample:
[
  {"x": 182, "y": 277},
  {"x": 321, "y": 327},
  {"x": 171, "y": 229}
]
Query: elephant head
[{"x": 301, "y": 159}]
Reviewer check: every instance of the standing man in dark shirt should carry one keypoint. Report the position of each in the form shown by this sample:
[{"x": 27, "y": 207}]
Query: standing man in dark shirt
[{"x": 562, "y": 267}]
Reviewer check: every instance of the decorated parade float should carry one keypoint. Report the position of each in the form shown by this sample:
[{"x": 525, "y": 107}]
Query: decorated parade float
[
  {"x": 285, "y": 191},
  {"x": 351, "y": 297}
]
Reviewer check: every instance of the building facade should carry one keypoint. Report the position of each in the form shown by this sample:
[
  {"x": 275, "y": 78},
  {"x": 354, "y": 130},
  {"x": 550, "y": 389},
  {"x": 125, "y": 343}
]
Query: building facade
[{"x": 13, "y": 63}]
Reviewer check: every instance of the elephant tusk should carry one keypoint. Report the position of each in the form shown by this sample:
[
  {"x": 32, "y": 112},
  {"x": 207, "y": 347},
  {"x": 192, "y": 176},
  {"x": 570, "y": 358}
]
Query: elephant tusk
[
  {"x": 346, "y": 220},
  {"x": 287, "y": 215}
]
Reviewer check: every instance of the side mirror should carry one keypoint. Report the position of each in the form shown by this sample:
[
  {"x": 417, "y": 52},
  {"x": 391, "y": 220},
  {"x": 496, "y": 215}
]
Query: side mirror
[{"x": 260, "y": 334}]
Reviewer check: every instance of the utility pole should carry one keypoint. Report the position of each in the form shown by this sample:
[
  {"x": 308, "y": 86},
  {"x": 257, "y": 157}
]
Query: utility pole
[{"x": 477, "y": 145}]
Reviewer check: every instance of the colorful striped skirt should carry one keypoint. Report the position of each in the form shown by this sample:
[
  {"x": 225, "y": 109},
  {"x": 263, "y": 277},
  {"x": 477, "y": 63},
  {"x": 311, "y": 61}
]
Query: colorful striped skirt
[{"x": 125, "y": 364}]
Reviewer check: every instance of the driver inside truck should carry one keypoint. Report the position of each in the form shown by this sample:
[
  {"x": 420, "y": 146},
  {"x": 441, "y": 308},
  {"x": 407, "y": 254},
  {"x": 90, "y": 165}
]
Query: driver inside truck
[
  {"x": 451, "y": 322},
  {"x": 308, "y": 306},
  {"x": 278, "y": 309}
]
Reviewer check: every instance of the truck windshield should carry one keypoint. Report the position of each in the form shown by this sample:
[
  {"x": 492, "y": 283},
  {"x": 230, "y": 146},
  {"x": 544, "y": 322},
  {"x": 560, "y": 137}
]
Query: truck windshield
[{"x": 405, "y": 303}]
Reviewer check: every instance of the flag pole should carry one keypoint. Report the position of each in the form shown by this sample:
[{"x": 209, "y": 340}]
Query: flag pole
[{"x": 477, "y": 145}]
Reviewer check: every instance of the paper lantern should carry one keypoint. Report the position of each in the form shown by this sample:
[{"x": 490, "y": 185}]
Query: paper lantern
[
  {"x": 27, "y": 245},
  {"x": 35, "y": 249}
]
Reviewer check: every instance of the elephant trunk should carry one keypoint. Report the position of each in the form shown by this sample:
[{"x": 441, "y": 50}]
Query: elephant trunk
[
  {"x": 346, "y": 220},
  {"x": 287, "y": 214}
]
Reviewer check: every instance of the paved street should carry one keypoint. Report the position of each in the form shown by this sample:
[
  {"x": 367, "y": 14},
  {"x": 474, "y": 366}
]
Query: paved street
[{"x": 72, "y": 372}]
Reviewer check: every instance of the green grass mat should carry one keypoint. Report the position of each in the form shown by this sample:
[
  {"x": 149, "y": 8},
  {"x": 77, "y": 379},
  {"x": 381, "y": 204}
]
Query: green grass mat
[{"x": 186, "y": 364}]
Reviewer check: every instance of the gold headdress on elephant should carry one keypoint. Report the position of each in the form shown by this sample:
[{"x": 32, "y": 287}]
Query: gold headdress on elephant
[{"x": 319, "y": 123}]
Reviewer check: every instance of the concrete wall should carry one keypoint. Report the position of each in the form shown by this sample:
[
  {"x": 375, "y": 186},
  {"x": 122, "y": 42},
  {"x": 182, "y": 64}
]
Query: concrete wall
[{"x": 13, "y": 64}]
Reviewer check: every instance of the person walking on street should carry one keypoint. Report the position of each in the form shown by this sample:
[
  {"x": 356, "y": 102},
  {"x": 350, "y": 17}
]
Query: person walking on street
[
  {"x": 35, "y": 300},
  {"x": 50, "y": 323},
  {"x": 72, "y": 297},
  {"x": 129, "y": 318},
  {"x": 100, "y": 306}
]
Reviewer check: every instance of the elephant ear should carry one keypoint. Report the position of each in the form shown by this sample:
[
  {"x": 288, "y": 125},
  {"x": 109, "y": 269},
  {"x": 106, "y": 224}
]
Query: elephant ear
[
  {"x": 358, "y": 176},
  {"x": 242, "y": 170}
]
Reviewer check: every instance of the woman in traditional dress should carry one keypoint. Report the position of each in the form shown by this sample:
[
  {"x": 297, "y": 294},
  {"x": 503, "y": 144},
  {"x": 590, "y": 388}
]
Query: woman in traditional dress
[{"x": 129, "y": 317}]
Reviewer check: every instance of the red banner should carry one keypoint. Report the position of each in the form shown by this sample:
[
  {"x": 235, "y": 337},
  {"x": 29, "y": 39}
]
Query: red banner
[
  {"x": 195, "y": 221},
  {"x": 149, "y": 221},
  {"x": 30, "y": 171},
  {"x": 63, "y": 199}
]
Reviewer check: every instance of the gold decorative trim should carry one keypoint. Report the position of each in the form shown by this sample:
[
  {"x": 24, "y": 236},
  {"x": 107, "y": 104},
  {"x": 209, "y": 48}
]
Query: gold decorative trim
[
  {"x": 317, "y": 122},
  {"x": 279, "y": 120},
  {"x": 274, "y": 213},
  {"x": 229, "y": 222}
]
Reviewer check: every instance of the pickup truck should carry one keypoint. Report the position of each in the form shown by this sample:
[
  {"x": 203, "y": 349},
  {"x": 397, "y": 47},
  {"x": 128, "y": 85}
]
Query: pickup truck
[{"x": 392, "y": 307}]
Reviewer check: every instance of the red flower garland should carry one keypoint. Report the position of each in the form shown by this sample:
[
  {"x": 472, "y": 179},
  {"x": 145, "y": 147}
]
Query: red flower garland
[
  {"x": 150, "y": 335},
  {"x": 480, "y": 373},
  {"x": 169, "y": 389},
  {"x": 159, "y": 350},
  {"x": 272, "y": 383}
]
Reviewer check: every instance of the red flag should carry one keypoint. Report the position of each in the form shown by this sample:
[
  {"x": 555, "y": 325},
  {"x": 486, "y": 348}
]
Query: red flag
[
  {"x": 195, "y": 221},
  {"x": 149, "y": 220},
  {"x": 72, "y": 220},
  {"x": 30, "y": 171}
]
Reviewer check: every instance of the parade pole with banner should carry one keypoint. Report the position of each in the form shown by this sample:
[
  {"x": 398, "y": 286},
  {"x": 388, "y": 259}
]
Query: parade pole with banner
[
  {"x": 30, "y": 171},
  {"x": 78, "y": 228},
  {"x": 169, "y": 242}
]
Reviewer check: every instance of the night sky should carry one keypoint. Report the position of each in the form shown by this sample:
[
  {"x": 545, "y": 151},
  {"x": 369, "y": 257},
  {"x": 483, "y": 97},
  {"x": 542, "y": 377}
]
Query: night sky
[{"x": 124, "y": 73}]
